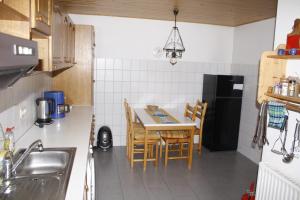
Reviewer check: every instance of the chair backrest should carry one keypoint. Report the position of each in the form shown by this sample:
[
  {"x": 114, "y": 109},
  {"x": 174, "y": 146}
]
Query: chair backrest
[
  {"x": 126, "y": 110},
  {"x": 189, "y": 111},
  {"x": 200, "y": 111},
  {"x": 129, "y": 119}
]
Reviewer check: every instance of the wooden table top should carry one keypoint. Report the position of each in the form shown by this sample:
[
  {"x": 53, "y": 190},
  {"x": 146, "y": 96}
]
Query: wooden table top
[{"x": 149, "y": 121}]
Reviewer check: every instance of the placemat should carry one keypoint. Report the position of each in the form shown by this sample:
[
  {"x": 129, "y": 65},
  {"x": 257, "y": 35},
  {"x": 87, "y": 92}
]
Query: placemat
[{"x": 161, "y": 116}]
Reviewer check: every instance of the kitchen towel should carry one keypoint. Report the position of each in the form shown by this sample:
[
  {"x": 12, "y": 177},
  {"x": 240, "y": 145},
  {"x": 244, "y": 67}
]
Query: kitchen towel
[{"x": 277, "y": 115}]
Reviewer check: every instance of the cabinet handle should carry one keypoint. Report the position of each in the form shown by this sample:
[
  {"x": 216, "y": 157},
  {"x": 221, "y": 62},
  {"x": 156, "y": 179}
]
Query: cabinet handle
[{"x": 86, "y": 188}]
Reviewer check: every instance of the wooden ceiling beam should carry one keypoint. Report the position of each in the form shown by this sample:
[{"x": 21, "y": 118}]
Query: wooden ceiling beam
[{"x": 218, "y": 12}]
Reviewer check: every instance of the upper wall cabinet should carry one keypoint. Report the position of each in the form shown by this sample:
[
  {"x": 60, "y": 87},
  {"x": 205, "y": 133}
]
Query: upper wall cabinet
[
  {"x": 14, "y": 17},
  {"x": 69, "y": 49},
  {"x": 58, "y": 36},
  {"x": 45, "y": 23},
  {"x": 41, "y": 14},
  {"x": 56, "y": 51},
  {"x": 62, "y": 40}
]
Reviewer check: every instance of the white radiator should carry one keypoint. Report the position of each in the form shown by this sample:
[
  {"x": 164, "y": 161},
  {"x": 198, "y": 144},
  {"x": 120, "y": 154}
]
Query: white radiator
[{"x": 272, "y": 185}]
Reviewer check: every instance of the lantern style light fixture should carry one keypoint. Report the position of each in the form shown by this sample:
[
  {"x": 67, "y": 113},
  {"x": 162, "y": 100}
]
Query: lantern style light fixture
[{"x": 174, "y": 45}]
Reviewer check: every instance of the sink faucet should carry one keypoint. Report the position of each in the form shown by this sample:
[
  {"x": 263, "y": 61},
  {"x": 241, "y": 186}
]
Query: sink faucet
[{"x": 10, "y": 167}]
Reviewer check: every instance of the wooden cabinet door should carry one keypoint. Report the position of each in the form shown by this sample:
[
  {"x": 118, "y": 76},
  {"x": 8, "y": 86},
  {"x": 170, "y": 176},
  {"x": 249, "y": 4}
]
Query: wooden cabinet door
[
  {"x": 76, "y": 82},
  {"x": 41, "y": 13},
  {"x": 66, "y": 37},
  {"x": 57, "y": 37},
  {"x": 71, "y": 43}
]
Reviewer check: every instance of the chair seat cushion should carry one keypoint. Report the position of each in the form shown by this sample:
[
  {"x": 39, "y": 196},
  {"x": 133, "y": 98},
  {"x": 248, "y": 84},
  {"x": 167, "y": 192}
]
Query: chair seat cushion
[
  {"x": 174, "y": 134},
  {"x": 152, "y": 135}
]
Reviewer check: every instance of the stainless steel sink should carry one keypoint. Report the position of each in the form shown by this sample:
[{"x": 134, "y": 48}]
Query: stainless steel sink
[
  {"x": 44, "y": 162},
  {"x": 42, "y": 175},
  {"x": 40, "y": 187}
]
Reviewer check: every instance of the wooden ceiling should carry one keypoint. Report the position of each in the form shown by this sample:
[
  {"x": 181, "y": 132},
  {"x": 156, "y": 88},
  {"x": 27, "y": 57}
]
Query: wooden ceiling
[{"x": 218, "y": 12}]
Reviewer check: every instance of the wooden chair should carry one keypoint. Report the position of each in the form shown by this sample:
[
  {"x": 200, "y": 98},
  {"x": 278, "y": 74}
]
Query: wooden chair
[
  {"x": 137, "y": 141},
  {"x": 178, "y": 138},
  {"x": 135, "y": 125},
  {"x": 200, "y": 111}
]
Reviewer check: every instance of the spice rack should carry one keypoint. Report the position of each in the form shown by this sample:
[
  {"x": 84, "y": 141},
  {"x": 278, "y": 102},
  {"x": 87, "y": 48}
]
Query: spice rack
[{"x": 272, "y": 68}]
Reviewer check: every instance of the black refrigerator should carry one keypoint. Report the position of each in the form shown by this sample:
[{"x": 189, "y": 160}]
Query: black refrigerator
[{"x": 223, "y": 93}]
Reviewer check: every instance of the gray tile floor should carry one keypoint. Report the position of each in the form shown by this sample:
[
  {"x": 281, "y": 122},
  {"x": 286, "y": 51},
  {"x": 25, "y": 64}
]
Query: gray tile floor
[{"x": 214, "y": 176}]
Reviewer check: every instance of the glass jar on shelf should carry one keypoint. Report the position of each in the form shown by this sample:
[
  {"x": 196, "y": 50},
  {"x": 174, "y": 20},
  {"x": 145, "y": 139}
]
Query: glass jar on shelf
[
  {"x": 284, "y": 86},
  {"x": 292, "y": 88},
  {"x": 277, "y": 88}
]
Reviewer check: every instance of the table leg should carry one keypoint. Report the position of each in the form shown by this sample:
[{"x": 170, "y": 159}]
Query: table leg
[
  {"x": 145, "y": 149},
  {"x": 190, "y": 159}
]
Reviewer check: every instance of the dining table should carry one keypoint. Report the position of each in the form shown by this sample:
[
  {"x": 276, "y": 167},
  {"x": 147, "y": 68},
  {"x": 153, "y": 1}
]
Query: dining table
[{"x": 164, "y": 119}]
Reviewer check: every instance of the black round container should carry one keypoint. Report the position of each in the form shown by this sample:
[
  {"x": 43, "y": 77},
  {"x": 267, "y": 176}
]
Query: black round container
[{"x": 104, "y": 138}]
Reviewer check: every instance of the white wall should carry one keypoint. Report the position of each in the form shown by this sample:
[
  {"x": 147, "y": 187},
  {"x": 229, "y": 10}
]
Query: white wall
[
  {"x": 250, "y": 41},
  {"x": 136, "y": 38},
  {"x": 287, "y": 12}
]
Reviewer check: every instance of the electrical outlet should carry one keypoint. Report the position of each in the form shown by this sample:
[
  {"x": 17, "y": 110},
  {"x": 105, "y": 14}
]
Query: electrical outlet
[{"x": 22, "y": 112}]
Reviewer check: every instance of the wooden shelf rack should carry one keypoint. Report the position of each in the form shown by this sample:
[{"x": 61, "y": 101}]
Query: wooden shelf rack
[
  {"x": 284, "y": 56},
  {"x": 286, "y": 100},
  {"x": 272, "y": 68}
]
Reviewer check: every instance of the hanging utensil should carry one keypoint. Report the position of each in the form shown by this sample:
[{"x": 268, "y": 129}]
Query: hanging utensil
[
  {"x": 287, "y": 158},
  {"x": 274, "y": 150},
  {"x": 297, "y": 148}
]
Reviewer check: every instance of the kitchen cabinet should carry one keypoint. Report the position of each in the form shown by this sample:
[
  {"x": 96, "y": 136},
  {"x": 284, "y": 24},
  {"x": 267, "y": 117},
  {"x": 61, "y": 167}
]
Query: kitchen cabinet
[
  {"x": 20, "y": 6},
  {"x": 45, "y": 23},
  {"x": 89, "y": 181},
  {"x": 57, "y": 36},
  {"x": 77, "y": 82},
  {"x": 14, "y": 17},
  {"x": 57, "y": 50},
  {"x": 69, "y": 53},
  {"x": 272, "y": 68},
  {"x": 41, "y": 15}
]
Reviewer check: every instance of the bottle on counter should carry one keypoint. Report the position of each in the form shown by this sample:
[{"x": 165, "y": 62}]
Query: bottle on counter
[
  {"x": 284, "y": 86},
  {"x": 9, "y": 140}
]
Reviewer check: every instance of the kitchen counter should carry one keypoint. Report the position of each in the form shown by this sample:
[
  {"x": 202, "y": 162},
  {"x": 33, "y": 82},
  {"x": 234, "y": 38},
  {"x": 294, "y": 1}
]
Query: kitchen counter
[{"x": 71, "y": 131}]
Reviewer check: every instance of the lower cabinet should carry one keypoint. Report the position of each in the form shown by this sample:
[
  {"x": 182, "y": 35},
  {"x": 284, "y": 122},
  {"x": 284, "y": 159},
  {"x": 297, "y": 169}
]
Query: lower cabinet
[{"x": 89, "y": 183}]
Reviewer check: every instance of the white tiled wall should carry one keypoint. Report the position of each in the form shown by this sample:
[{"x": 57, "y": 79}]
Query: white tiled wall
[
  {"x": 250, "y": 110},
  {"x": 145, "y": 82},
  {"x": 22, "y": 95}
]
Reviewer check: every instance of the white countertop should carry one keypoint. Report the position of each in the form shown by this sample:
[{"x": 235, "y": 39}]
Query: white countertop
[{"x": 71, "y": 131}]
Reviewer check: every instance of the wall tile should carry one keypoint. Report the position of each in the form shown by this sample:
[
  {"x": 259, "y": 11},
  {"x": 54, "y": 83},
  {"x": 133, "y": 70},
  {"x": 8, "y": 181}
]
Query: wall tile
[{"x": 22, "y": 95}]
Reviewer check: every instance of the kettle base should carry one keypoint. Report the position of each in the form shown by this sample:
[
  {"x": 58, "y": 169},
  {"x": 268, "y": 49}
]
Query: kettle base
[{"x": 41, "y": 122}]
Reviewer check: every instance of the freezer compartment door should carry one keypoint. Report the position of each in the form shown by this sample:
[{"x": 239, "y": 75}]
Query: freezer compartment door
[{"x": 230, "y": 86}]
